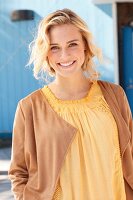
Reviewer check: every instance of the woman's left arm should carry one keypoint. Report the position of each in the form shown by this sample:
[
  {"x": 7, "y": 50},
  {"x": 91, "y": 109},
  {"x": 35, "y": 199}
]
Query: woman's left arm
[{"x": 128, "y": 114}]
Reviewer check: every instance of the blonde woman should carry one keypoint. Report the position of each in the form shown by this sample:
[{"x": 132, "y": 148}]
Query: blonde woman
[{"x": 72, "y": 139}]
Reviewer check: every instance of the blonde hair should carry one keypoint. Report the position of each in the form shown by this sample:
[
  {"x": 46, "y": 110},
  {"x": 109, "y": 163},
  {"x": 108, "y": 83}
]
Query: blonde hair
[{"x": 41, "y": 44}]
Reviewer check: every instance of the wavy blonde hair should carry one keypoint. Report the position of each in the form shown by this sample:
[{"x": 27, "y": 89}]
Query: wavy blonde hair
[{"x": 40, "y": 45}]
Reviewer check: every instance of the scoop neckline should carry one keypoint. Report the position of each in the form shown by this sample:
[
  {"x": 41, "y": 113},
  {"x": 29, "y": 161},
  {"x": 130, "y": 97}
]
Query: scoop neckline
[{"x": 51, "y": 96}]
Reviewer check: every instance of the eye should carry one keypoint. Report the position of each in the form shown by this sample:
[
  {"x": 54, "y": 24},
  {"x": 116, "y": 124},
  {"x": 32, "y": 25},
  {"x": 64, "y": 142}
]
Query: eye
[
  {"x": 54, "y": 48},
  {"x": 73, "y": 44}
]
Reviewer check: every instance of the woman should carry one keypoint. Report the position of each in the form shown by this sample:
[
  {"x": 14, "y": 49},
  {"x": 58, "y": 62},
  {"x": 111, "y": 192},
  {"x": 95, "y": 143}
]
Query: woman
[{"x": 72, "y": 139}]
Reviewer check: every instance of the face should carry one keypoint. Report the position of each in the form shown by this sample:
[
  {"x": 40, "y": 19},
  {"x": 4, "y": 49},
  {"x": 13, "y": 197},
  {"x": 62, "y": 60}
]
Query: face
[{"x": 67, "y": 50}]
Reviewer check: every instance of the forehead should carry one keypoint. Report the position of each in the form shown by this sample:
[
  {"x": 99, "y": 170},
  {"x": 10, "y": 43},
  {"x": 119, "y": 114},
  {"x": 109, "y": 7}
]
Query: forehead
[{"x": 64, "y": 33}]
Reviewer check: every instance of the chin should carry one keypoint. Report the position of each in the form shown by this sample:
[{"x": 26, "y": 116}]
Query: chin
[{"x": 69, "y": 74}]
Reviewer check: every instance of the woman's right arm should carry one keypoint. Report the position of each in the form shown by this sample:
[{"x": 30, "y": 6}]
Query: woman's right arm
[{"x": 18, "y": 173}]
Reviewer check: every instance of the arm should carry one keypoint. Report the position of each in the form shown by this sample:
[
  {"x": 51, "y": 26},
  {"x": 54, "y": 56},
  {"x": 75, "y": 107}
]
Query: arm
[
  {"x": 18, "y": 173},
  {"x": 128, "y": 114}
]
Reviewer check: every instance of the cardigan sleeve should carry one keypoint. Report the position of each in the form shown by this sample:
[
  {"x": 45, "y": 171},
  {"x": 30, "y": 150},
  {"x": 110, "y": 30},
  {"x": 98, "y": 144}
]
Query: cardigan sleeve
[
  {"x": 18, "y": 173},
  {"x": 128, "y": 114}
]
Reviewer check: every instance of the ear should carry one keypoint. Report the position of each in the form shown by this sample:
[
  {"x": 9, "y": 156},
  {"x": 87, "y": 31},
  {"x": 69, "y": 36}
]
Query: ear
[{"x": 85, "y": 45}]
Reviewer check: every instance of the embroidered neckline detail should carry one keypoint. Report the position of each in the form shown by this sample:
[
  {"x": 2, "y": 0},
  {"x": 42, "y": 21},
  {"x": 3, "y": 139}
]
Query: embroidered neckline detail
[{"x": 51, "y": 96}]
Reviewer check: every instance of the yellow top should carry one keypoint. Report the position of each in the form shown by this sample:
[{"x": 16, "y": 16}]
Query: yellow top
[{"x": 92, "y": 169}]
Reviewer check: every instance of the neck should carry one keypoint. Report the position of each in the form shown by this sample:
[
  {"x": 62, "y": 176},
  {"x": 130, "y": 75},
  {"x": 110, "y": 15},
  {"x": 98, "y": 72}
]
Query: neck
[{"x": 70, "y": 86}]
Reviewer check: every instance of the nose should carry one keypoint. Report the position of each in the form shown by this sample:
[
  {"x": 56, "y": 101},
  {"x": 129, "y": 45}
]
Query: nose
[{"x": 64, "y": 54}]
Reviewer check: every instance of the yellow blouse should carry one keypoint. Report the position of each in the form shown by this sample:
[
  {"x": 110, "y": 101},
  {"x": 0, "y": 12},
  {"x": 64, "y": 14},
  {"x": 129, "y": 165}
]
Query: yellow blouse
[{"x": 92, "y": 169}]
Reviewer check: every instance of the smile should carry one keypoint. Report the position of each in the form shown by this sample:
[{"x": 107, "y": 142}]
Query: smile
[{"x": 66, "y": 64}]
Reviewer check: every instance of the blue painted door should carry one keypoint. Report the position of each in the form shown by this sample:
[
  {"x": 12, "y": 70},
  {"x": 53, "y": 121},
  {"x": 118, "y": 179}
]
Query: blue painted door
[{"x": 127, "y": 33}]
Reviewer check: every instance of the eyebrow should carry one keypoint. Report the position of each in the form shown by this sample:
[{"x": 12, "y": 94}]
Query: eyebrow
[{"x": 75, "y": 40}]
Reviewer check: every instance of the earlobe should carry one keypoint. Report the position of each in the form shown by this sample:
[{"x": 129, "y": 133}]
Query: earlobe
[
  {"x": 85, "y": 51},
  {"x": 85, "y": 47}
]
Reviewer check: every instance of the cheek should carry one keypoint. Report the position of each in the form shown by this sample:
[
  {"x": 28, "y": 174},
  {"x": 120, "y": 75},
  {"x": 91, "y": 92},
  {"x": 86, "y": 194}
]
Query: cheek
[
  {"x": 80, "y": 51},
  {"x": 81, "y": 54},
  {"x": 51, "y": 57},
  {"x": 52, "y": 60}
]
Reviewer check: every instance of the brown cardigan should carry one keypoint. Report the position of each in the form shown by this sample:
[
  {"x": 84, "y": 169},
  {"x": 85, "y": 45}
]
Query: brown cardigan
[{"x": 41, "y": 140}]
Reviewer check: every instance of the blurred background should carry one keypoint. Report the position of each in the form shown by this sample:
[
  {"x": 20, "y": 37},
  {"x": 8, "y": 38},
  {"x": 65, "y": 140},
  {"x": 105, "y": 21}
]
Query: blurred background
[{"x": 111, "y": 23}]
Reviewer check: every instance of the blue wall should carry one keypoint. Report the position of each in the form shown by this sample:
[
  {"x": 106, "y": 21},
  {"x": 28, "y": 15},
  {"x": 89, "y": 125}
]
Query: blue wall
[{"x": 16, "y": 81}]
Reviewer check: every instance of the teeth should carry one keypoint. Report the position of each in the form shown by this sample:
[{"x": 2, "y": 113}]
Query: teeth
[{"x": 66, "y": 64}]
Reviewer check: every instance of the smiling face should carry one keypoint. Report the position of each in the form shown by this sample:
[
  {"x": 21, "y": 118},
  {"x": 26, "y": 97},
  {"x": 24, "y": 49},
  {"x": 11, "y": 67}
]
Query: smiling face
[{"x": 67, "y": 50}]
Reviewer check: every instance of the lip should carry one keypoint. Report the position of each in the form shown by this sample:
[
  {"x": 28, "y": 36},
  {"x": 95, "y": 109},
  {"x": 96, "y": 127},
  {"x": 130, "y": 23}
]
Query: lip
[{"x": 67, "y": 66}]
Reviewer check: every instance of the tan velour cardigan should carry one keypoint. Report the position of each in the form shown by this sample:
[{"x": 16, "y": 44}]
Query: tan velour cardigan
[{"x": 41, "y": 140}]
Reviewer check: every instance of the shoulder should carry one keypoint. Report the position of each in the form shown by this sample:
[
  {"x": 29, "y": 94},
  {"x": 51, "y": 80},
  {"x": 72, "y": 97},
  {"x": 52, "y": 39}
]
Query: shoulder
[
  {"x": 112, "y": 87},
  {"x": 32, "y": 96},
  {"x": 34, "y": 99},
  {"x": 116, "y": 93},
  {"x": 106, "y": 84},
  {"x": 113, "y": 92}
]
